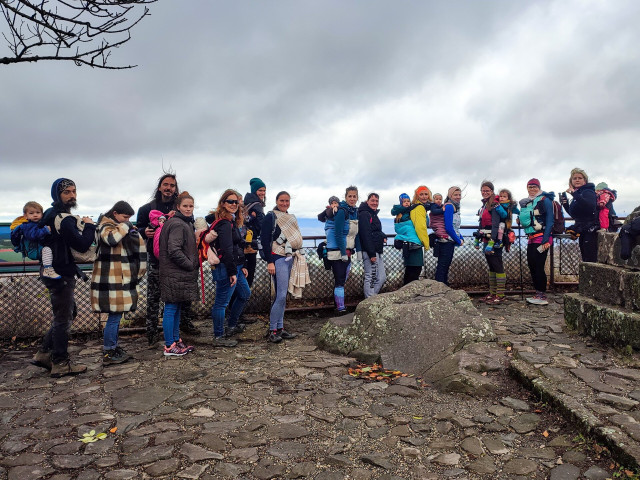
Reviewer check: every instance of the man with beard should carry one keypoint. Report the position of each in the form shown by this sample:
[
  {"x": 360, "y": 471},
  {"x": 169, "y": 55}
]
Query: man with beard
[
  {"x": 53, "y": 354},
  {"x": 164, "y": 198}
]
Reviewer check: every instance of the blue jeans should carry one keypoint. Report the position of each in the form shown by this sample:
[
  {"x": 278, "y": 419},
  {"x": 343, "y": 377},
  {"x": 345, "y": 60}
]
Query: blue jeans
[
  {"x": 444, "y": 261},
  {"x": 224, "y": 291},
  {"x": 111, "y": 331},
  {"x": 281, "y": 283},
  {"x": 171, "y": 323}
]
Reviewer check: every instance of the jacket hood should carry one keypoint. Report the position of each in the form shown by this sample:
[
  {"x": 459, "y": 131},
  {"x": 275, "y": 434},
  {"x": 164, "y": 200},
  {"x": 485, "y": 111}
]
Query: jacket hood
[
  {"x": 183, "y": 217},
  {"x": 55, "y": 195},
  {"x": 364, "y": 207},
  {"x": 587, "y": 186},
  {"x": 18, "y": 221},
  {"x": 154, "y": 215},
  {"x": 550, "y": 195}
]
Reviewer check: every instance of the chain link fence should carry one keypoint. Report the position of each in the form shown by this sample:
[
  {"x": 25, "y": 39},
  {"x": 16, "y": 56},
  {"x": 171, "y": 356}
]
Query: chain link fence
[{"x": 26, "y": 311}]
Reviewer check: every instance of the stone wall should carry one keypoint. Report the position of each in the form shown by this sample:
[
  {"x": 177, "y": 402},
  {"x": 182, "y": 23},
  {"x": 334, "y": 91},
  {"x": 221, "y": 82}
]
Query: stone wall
[{"x": 607, "y": 305}]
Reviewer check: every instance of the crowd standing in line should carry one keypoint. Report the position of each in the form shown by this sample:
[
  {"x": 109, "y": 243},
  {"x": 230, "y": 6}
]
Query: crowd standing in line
[{"x": 237, "y": 234}]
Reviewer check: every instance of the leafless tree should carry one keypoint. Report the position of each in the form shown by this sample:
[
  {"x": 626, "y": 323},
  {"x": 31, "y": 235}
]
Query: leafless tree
[{"x": 82, "y": 31}]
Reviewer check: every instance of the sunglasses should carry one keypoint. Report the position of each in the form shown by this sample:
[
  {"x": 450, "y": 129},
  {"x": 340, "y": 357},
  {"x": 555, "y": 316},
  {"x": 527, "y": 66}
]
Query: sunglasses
[{"x": 232, "y": 202}]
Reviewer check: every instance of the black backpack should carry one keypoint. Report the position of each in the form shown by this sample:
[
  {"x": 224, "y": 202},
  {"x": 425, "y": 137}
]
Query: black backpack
[
  {"x": 629, "y": 237},
  {"x": 321, "y": 250}
]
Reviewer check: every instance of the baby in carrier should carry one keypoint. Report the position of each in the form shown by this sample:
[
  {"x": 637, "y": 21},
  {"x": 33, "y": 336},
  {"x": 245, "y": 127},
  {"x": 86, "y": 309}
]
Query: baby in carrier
[
  {"x": 506, "y": 209},
  {"x": 406, "y": 236},
  {"x": 606, "y": 212},
  {"x": 29, "y": 238}
]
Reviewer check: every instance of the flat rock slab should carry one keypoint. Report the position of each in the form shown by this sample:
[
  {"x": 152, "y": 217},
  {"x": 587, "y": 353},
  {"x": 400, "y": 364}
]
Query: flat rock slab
[
  {"x": 148, "y": 455},
  {"x": 140, "y": 400}
]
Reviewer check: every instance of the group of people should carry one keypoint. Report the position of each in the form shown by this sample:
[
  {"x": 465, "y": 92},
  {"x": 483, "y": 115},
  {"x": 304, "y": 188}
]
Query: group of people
[{"x": 169, "y": 245}]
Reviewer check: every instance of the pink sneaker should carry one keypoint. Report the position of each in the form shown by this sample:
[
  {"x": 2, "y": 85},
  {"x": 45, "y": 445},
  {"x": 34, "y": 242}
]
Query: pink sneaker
[
  {"x": 188, "y": 348},
  {"x": 174, "y": 350}
]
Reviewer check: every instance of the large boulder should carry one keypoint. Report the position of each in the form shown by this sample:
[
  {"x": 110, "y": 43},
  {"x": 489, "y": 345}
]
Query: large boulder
[
  {"x": 609, "y": 247},
  {"x": 421, "y": 329}
]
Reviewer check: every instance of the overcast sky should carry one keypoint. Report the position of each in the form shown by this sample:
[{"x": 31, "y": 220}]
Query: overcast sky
[{"x": 312, "y": 96}]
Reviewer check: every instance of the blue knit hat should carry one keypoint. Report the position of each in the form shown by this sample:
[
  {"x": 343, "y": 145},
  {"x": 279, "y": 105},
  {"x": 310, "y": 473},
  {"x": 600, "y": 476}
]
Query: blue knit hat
[
  {"x": 404, "y": 196},
  {"x": 256, "y": 184},
  {"x": 58, "y": 187}
]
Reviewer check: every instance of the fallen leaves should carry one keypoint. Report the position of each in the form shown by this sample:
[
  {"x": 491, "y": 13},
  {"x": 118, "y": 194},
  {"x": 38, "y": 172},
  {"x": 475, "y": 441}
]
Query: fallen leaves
[
  {"x": 92, "y": 437},
  {"x": 375, "y": 372}
]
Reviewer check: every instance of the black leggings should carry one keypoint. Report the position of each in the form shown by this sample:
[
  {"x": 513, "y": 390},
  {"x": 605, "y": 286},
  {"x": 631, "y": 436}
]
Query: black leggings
[
  {"x": 495, "y": 261},
  {"x": 340, "y": 270},
  {"x": 589, "y": 246},
  {"x": 536, "y": 262}
]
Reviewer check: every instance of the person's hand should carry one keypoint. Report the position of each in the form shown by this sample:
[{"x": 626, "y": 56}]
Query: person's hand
[
  {"x": 271, "y": 268},
  {"x": 477, "y": 247},
  {"x": 253, "y": 214},
  {"x": 461, "y": 242},
  {"x": 149, "y": 232},
  {"x": 232, "y": 280},
  {"x": 245, "y": 271},
  {"x": 48, "y": 228},
  {"x": 546, "y": 246},
  {"x": 88, "y": 220},
  {"x": 345, "y": 258},
  {"x": 373, "y": 259}
]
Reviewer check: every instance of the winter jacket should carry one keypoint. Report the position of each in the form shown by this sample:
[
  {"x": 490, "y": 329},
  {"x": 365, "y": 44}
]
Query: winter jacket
[
  {"x": 582, "y": 208},
  {"x": 326, "y": 214},
  {"x": 142, "y": 223},
  {"x": 370, "y": 230},
  {"x": 436, "y": 221},
  {"x": 490, "y": 218},
  {"x": 268, "y": 235},
  {"x": 452, "y": 222},
  {"x": 337, "y": 229},
  {"x": 544, "y": 217},
  {"x": 178, "y": 260},
  {"x": 420, "y": 222},
  {"x": 230, "y": 246},
  {"x": 253, "y": 204},
  {"x": 30, "y": 235},
  {"x": 121, "y": 263},
  {"x": 606, "y": 211}
]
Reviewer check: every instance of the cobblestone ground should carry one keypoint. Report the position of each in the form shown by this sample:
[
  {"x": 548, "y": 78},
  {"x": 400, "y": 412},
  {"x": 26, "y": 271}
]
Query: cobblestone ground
[{"x": 287, "y": 411}]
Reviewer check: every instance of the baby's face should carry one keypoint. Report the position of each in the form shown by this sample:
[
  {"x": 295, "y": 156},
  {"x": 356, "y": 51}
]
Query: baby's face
[
  {"x": 406, "y": 202},
  {"x": 161, "y": 220},
  {"x": 504, "y": 197},
  {"x": 438, "y": 199},
  {"x": 33, "y": 214},
  {"x": 334, "y": 204}
]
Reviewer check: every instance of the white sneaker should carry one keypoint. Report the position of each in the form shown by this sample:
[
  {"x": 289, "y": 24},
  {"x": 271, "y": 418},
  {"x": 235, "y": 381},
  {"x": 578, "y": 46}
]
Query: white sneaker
[
  {"x": 49, "y": 272},
  {"x": 538, "y": 299}
]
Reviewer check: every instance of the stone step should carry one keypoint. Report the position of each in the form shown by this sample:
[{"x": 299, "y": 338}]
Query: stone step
[
  {"x": 609, "y": 251},
  {"x": 610, "y": 325},
  {"x": 610, "y": 284}
]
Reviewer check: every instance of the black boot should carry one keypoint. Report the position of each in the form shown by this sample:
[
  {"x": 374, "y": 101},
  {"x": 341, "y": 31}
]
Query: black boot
[{"x": 189, "y": 328}]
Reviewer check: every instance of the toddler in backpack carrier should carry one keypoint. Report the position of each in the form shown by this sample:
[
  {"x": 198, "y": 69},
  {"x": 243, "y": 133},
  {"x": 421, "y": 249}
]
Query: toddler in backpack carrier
[{"x": 29, "y": 238}]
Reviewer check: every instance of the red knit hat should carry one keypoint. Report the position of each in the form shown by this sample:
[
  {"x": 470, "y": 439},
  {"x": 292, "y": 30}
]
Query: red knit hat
[{"x": 533, "y": 181}]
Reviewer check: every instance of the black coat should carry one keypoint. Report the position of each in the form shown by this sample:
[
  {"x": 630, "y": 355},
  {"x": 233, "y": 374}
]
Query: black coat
[
  {"x": 370, "y": 230},
  {"x": 254, "y": 205},
  {"x": 178, "y": 260},
  {"x": 142, "y": 222},
  {"x": 230, "y": 246}
]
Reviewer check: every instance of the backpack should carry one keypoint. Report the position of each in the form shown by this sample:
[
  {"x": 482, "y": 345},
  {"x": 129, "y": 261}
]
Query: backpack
[
  {"x": 628, "y": 237},
  {"x": 273, "y": 231},
  {"x": 321, "y": 250},
  {"x": 29, "y": 249},
  {"x": 558, "y": 219},
  {"x": 529, "y": 215},
  {"x": 206, "y": 251}
]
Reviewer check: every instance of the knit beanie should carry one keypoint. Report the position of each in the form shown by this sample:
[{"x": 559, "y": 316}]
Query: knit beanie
[
  {"x": 333, "y": 198},
  {"x": 403, "y": 196},
  {"x": 453, "y": 190},
  {"x": 534, "y": 181},
  {"x": 59, "y": 186},
  {"x": 256, "y": 184},
  {"x": 581, "y": 172},
  {"x": 602, "y": 186}
]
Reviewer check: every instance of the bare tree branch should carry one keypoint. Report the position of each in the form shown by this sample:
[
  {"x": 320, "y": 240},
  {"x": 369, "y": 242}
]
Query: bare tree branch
[{"x": 82, "y": 31}]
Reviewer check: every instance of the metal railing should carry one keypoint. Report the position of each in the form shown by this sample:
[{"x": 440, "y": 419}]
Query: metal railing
[{"x": 26, "y": 312}]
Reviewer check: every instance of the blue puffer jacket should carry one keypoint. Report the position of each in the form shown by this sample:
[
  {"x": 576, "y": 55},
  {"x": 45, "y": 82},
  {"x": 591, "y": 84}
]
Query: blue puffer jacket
[{"x": 337, "y": 229}]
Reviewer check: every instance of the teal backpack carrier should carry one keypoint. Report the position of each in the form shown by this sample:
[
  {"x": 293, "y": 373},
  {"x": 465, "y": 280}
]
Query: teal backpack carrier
[
  {"x": 30, "y": 249},
  {"x": 528, "y": 214}
]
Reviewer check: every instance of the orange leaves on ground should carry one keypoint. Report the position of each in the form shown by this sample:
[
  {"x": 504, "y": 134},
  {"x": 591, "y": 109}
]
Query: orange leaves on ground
[
  {"x": 545, "y": 434},
  {"x": 375, "y": 372},
  {"x": 114, "y": 430}
]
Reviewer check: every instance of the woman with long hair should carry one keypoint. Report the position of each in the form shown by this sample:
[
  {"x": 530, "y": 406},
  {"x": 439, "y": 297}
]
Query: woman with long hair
[
  {"x": 178, "y": 256},
  {"x": 282, "y": 243},
  {"x": 230, "y": 275},
  {"x": 121, "y": 263}
]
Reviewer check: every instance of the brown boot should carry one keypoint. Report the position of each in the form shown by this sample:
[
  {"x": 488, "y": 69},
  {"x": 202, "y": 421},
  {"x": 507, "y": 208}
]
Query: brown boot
[
  {"x": 66, "y": 368},
  {"x": 42, "y": 359}
]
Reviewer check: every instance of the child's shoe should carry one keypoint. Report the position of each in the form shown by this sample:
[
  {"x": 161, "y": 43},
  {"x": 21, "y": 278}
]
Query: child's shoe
[
  {"x": 188, "y": 348},
  {"x": 49, "y": 272}
]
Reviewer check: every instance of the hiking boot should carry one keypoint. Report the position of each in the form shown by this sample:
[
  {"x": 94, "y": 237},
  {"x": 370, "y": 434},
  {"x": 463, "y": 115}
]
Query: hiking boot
[
  {"x": 153, "y": 339},
  {"x": 189, "y": 348},
  {"x": 286, "y": 335},
  {"x": 42, "y": 359},
  {"x": 339, "y": 313},
  {"x": 231, "y": 331},
  {"x": 49, "y": 272},
  {"x": 174, "y": 350},
  {"x": 65, "y": 367},
  {"x": 274, "y": 337},
  {"x": 224, "y": 342},
  {"x": 114, "y": 356},
  {"x": 189, "y": 328}
]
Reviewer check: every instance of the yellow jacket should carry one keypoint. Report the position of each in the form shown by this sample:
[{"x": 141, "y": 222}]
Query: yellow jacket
[{"x": 419, "y": 218}]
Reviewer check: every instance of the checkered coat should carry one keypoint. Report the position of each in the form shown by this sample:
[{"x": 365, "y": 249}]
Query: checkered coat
[{"x": 121, "y": 263}]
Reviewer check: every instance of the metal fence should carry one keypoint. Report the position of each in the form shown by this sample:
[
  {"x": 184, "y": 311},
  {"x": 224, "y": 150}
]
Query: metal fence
[{"x": 25, "y": 310}]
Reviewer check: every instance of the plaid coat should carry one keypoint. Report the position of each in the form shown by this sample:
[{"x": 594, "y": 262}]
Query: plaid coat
[{"x": 121, "y": 263}]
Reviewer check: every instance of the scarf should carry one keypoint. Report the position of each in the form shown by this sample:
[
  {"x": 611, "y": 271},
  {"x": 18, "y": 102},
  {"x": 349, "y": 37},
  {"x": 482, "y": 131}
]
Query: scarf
[{"x": 299, "y": 277}]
